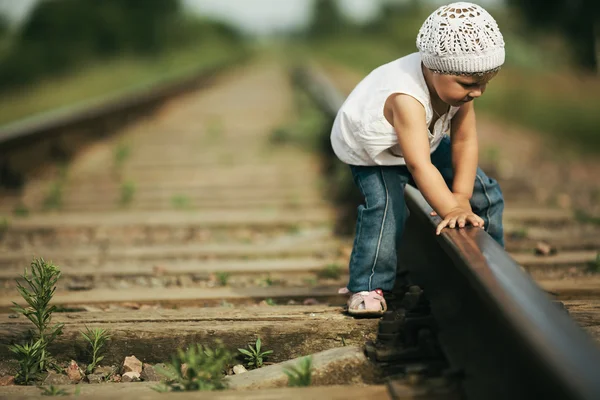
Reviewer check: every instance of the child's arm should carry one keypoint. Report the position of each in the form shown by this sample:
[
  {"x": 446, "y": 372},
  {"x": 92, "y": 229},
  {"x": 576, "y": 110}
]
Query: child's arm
[
  {"x": 408, "y": 117},
  {"x": 464, "y": 153}
]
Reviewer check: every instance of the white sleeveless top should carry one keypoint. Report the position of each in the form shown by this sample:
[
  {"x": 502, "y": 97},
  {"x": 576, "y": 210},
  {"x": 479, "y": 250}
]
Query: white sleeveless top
[{"x": 361, "y": 135}]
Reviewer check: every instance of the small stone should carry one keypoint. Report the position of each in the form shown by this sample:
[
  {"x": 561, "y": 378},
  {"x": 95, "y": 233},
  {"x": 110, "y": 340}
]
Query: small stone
[
  {"x": 92, "y": 309},
  {"x": 132, "y": 364},
  {"x": 116, "y": 378},
  {"x": 95, "y": 378},
  {"x": 185, "y": 281},
  {"x": 159, "y": 270},
  {"x": 310, "y": 302},
  {"x": 130, "y": 377},
  {"x": 149, "y": 374},
  {"x": 122, "y": 285},
  {"x": 13, "y": 316},
  {"x": 141, "y": 281},
  {"x": 76, "y": 285},
  {"x": 74, "y": 373},
  {"x": 8, "y": 380},
  {"x": 56, "y": 379},
  {"x": 239, "y": 369},
  {"x": 544, "y": 249},
  {"x": 157, "y": 283},
  {"x": 133, "y": 306}
]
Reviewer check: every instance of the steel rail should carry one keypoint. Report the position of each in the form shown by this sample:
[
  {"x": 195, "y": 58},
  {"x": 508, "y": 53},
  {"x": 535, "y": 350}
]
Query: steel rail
[
  {"x": 502, "y": 335},
  {"x": 52, "y": 132}
]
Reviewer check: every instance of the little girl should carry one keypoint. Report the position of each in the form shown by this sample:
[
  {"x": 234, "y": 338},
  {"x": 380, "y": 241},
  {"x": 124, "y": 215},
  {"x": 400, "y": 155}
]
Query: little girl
[{"x": 393, "y": 129}]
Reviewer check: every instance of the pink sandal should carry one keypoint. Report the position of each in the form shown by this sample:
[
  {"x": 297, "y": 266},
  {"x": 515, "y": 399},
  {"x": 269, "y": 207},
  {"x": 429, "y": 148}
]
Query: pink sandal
[{"x": 365, "y": 303}]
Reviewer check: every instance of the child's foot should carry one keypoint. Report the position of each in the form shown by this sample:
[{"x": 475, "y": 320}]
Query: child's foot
[{"x": 366, "y": 303}]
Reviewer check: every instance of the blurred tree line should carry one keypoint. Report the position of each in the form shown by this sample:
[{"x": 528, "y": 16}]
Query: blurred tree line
[
  {"x": 576, "y": 21},
  {"x": 61, "y": 34}
]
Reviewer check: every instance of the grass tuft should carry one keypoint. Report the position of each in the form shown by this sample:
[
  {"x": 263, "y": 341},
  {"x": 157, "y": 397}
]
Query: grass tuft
[
  {"x": 33, "y": 357},
  {"x": 254, "y": 356},
  {"x": 300, "y": 375},
  {"x": 204, "y": 369}
]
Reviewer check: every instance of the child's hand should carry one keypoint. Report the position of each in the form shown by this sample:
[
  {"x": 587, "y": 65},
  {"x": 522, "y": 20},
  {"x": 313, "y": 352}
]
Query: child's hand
[
  {"x": 459, "y": 217},
  {"x": 463, "y": 202}
]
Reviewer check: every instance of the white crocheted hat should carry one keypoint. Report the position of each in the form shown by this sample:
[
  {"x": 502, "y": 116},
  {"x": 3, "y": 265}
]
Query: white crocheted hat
[{"x": 461, "y": 38}]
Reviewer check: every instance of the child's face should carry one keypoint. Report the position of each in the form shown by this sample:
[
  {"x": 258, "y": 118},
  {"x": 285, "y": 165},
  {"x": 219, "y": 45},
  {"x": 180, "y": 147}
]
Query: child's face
[{"x": 458, "y": 90}]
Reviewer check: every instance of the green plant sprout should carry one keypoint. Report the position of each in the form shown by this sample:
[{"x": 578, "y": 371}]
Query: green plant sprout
[
  {"x": 222, "y": 277},
  {"x": 180, "y": 202},
  {"x": 331, "y": 271},
  {"x": 204, "y": 369},
  {"x": 300, "y": 375},
  {"x": 4, "y": 224},
  {"x": 266, "y": 281},
  {"x": 32, "y": 356},
  {"x": 280, "y": 136},
  {"x": 122, "y": 153},
  {"x": 127, "y": 193},
  {"x": 254, "y": 357},
  {"x": 53, "y": 200},
  {"x": 54, "y": 391},
  {"x": 20, "y": 210},
  {"x": 270, "y": 302},
  {"x": 29, "y": 356},
  {"x": 594, "y": 266},
  {"x": 96, "y": 339}
]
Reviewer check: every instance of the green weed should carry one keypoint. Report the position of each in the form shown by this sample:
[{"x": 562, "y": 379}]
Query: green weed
[
  {"x": 127, "y": 193},
  {"x": 331, "y": 271},
  {"x": 300, "y": 375},
  {"x": 54, "y": 198},
  {"x": 96, "y": 339},
  {"x": 29, "y": 356},
  {"x": 491, "y": 156},
  {"x": 4, "y": 224},
  {"x": 266, "y": 281},
  {"x": 294, "y": 229},
  {"x": 270, "y": 302},
  {"x": 594, "y": 266},
  {"x": 585, "y": 218},
  {"x": 280, "y": 136},
  {"x": 310, "y": 281},
  {"x": 205, "y": 369},
  {"x": 520, "y": 233},
  {"x": 121, "y": 154},
  {"x": 180, "y": 202},
  {"x": 254, "y": 356},
  {"x": 54, "y": 391},
  {"x": 33, "y": 357},
  {"x": 222, "y": 277},
  {"x": 20, "y": 210}
]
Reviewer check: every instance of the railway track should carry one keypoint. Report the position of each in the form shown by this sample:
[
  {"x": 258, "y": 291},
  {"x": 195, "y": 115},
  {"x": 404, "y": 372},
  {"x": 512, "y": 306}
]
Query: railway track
[
  {"x": 187, "y": 226},
  {"x": 501, "y": 336}
]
